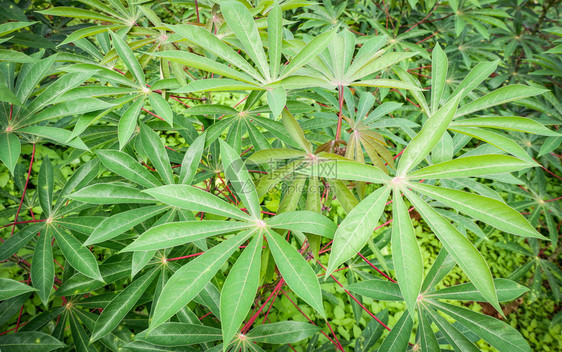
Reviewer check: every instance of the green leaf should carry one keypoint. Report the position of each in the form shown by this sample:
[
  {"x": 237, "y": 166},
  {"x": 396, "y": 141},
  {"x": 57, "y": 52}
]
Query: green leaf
[
  {"x": 439, "y": 67},
  {"x": 380, "y": 290},
  {"x": 296, "y": 271},
  {"x": 455, "y": 338},
  {"x": 45, "y": 186},
  {"x": 498, "y": 140},
  {"x": 126, "y": 300},
  {"x": 191, "y": 278},
  {"x": 430, "y": 134},
  {"x": 276, "y": 99},
  {"x": 11, "y": 288},
  {"x": 494, "y": 331},
  {"x": 191, "y": 198},
  {"x": 181, "y": 334},
  {"x": 357, "y": 227},
  {"x": 240, "y": 178},
  {"x": 14, "y": 243},
  {"x": 29, "y": 341},
  {"x": 58, "y": 135},
  {"x": 192, "y": 60},
  {"x": 270, "y": 155},
  {"x": 500, "y": 96},
  {"x": 397, "y": 339},
  {"x": 108, "y": 193},
  {"x": 406, "y": 254},
  {"x": 192, "y": 159},
  {"x": 283, "y": 332},
  {"x": 70, "y": 107},
  {"x": 80, "y": 258},
  {"x": 128, "y": 122},
  {"x": 80, "y": 339},
  {"x": 304, "y": 221},
  {"x": 178, "y": 233},
  {"x": 10, "y": 149},
  {"x": 241, "y": 22},
  {"x": 458, "y": 246},
  {"x": 161, "y": 107},
  {"x": 156, "y": 152},
  {"x": 309, "y": 52},
  {"x": 127, "y": 167},
  {"x": 203, "y": 38},
  {"x": 507, "y": 290},
  {"x": 427, "y": 340},
  {"x": 296, "y": 132},
  {"x": 471, "y": 166},
  {"x": 239, "y": 290},
  {"x": 74, "y": 12},
  {"x": 475, "y": 77},
  {"x": 275, "y": 38},
  {"x": 512, "y": 123},
  {"x": 129, "y": 59},
  {"x": 42, "y": 266},
  {"x": 6, "y": 95},
  {"x": 489, "y": 211},
  {"x": 117, "y": 224}
]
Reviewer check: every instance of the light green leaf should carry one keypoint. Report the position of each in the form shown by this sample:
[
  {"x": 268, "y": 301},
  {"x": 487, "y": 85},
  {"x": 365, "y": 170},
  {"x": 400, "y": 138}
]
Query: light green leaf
[
  {"x": 126, "y": 300},
  {"x": 406, "y": 254},
  {"x": 296, "y": 132},
  {"x": 494, "y": 331},
  {"x": 357, "y": 227},
  {"x": 125, "y": 166},
  {"x": 283, "y": 332},
  {"x": 498, "y": 140},
  {"x": 191, "y": 160},
  {"x": 304, "y": 221},
  {"x": 108, "y": 193},
  {"x": 191, "y": 278},
  {"x": 10, "y": 149},
  {"x": 430, "y": 134},
  {"x": 427, "y": 338},
  {"x": 161, "y": 107},
  {"x": 191, "y": 198},
  {"x": 439, "y": 67},
  {"x": 507, "y": 290},
  {"x": 489, "y": 211},
  {"x": 475, "y": 77},
  {"x": 66, "y": 11},
  {"x": 156, "y": 152},
  {"x": 276, "y": 99},
  {"x": 181, "y": 334},
  {"x": 380, "y": 290},
  {"x": 240, "y": 287},
  {"x": 240, "y": 178},
  {"x": 471, "y": 166},
  {"x": 309, "y": 52},
  {"x": 241, "y": 22},
  {"x": 203, "y": 38},
  {"x": 296, "y": 271},
  {"x": 178, "y": 233},
  {"x": 129, "y": 59},
  {"x": 80, "y": 258},
  {"x": 512, "y": 123},
  {"x": 499, "y": 96},
  {"x": 456, "y": 339},
  {"x": 460, "y": 248},
  {"x": 117, "y": 224},
  {"x": 275, "y": 38},
  {"x": 397, "y": 339},
  {"x": 128, "y": 122},
  {"x": 42, "y": 266}
]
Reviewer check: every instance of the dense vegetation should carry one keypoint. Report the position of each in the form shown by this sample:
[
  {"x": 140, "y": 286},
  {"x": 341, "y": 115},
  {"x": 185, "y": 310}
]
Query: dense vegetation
[{"x": 280, "y": 175}]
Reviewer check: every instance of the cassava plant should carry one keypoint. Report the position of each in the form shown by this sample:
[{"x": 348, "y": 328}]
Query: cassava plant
[{"x": 181, "y": 176}]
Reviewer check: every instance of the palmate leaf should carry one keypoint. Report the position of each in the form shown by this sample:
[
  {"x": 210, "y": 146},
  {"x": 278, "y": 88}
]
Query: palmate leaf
[
  {"x": 356, "y": 229},
  {"x": 43, "y": 267},
  {"x": 458, "y": 246},
  {"x": 239, "y": 289},
  {"x": 191, "y": 278},
  {"x": 296, "y": 271}
]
